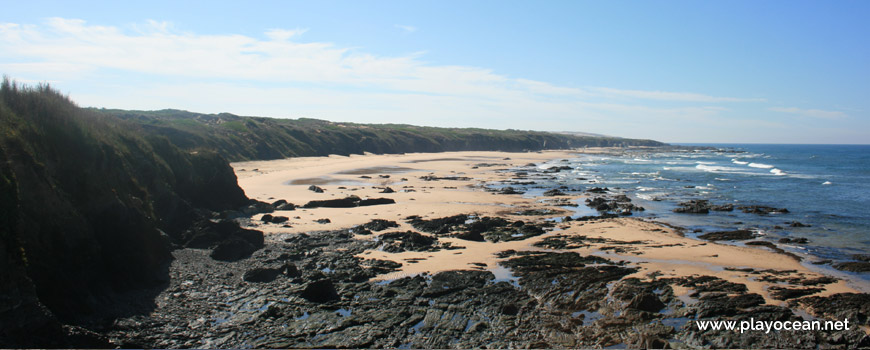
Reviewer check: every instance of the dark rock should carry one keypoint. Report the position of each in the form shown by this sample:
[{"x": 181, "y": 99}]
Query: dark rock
[
  {"x": 285, "y": 206},
  {"x": 225, "y": 233},
  {"x": 853, "y": 266},
  {"x": 387, "y": 190},
  {"x": 290, "y": 270},
  {"x": 319, "y": 291},
  {"x": 699, "y": 206},
  {"x": 598, "y": 190},
  {"x": 861, "y": 257},
  {"x": 437, "y": 178},
  {"x": 279, "y": 219},
  {"x": 376, "y": 201},
  {"x": 323, "y": 221},
  {"x": 510, "y": 190},
  {"x": 379, "y": 224},
  {"x": 261, "y": 274},
  {"x": 782, "y": 293},
  {"x": 448, "y": 282},
  {"x": 762, "y": 210},
  {"x": 554, "y": 192},
  {"x": 266, "y": 218},
  {"x": 397, "y": 242},
  {"x": 735, "y": 235},
  {"x": 797, "y": 224},
  {"x": 470, "y": 236},
  {"x": 799, "y": 240},
  {"x": 726, "y": 207},
  {"x": 620, "y": 204},
  {"x": 646, "y": 301},
  {"x": 438, "y": 226},
  {"x": 347, "y": 202},
  {"x": 233, "y": 249},
  {"x": 852, "y": 306},
  {"x": 257, "y": 207},
  {"x": 360, "y": 230},
  {"x": 315, "y": 189}
]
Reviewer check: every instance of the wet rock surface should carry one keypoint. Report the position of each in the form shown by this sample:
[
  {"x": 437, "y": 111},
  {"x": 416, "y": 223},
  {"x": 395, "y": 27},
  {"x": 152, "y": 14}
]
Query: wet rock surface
[
  {"x": 619, "y": 204},
  {"x": 472, "y": 228},
  {"x": 701, "y": 206},
  {"x": 317, "y": 290},
  {"x": 735, "y": 235}
]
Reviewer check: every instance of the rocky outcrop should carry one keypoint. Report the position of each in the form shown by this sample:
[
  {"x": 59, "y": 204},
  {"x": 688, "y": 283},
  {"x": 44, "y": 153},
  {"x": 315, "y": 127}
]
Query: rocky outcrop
[
  {"x": 348, "y": 202},
  {"x": 735, "y": 235},
  {"x": 104, "y": 208},
  {"x": 701, "y": 206}
]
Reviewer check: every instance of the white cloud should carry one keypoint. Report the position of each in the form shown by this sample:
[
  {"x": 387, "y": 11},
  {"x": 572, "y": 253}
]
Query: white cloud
[
  {"x": 813, "y": 113},
  {"x": 406, "y": 28},
  {"x": 155, "y": 66},
  {"x": 670, "y": 96}
]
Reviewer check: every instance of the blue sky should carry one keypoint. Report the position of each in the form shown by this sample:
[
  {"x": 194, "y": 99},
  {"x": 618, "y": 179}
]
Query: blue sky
[{"x": 676, "y": 71}]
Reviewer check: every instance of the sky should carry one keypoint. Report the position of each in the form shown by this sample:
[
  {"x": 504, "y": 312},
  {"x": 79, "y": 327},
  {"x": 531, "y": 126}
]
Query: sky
[{"x": 674, "y": 71}]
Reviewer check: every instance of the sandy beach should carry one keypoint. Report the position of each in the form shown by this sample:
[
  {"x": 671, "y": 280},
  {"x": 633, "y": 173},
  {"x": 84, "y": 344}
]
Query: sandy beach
[{"x": 657, "y": 250}]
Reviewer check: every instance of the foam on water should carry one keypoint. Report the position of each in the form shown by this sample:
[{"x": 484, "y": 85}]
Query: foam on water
[
  {"x": 778, "y": 172},
  {"x": 797, "y": 177},
  {"x": 760, "y": 165}
]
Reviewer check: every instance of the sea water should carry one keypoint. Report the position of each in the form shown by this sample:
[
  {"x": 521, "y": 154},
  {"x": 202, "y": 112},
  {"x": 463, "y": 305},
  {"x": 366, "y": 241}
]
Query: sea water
[{"x": 826, "y": 187}]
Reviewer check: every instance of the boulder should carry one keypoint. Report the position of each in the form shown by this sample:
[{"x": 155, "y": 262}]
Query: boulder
[
  {"x": 698, "y": 206},
  {"x": 233, "y": 249},
  {"x": 376, "y": 201},
  {"x": 261, "y": 274},
  {"x": 315, "y": 189},
  {"x": 554, "y": 192},
  {"x": 347, "y": 202},
  {"x": 319, "y": 291}
]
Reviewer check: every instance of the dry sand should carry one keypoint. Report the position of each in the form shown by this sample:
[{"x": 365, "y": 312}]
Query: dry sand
[{"x": 662, "y": 250}]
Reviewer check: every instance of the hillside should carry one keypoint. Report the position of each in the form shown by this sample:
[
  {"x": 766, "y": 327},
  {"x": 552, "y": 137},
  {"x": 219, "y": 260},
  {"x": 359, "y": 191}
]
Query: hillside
[
  {"x": 89, "y": 211},
  {"x": 93, "y": 202},
  {"x": 255, "y": 138}
]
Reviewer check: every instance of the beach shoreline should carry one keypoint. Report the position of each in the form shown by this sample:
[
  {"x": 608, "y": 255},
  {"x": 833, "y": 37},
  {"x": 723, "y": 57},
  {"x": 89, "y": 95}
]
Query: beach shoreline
[
  {"x": 462, "y": 190},
  {"x": 440, "y": 251}
]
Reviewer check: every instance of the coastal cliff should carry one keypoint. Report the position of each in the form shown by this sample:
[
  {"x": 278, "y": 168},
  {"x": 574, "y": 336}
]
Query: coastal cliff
[
  {"x": 95, "y": 201},
  {"x": 90, "y": 213}
]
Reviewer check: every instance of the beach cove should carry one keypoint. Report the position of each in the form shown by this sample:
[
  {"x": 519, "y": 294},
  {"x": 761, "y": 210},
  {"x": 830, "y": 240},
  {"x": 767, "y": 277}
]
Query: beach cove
[{"x": 460, "y": 260}]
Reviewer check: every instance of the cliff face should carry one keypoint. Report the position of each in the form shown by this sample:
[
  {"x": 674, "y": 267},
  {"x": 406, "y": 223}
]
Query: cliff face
[
  {"x": 253, "y": 138},
  {"x": 89, "y": 209},
  {"x": 92, "y": 202}
]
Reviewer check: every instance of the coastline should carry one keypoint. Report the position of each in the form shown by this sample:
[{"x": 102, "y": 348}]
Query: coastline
[{"x": 659, "y": 251}]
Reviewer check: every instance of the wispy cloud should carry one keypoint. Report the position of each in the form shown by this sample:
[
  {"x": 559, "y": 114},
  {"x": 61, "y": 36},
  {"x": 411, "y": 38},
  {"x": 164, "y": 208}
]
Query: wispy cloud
[
  {"x": 406, "y": 28},
  {"x": 670, "y": 96},
  {"x": 813, "y": 113},
  {"x": 153, "y": 66}
]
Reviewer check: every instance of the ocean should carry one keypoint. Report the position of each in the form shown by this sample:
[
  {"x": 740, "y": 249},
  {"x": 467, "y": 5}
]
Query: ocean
[{"x": 824, "y": 187}]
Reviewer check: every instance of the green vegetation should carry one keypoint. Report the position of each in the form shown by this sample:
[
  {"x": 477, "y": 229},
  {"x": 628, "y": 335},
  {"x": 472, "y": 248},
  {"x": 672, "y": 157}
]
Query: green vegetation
[
  {"x": 92, "y": 202},
  {"x": 256, "y": 138}
]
